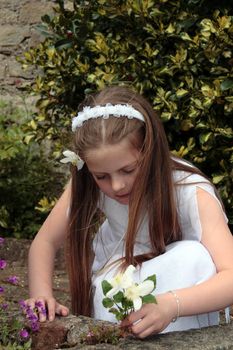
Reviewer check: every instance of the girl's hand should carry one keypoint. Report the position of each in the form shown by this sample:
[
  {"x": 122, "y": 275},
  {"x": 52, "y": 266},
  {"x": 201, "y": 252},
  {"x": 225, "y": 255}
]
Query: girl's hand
[
  {"x": 49, "y": 304},
  {"x": 152, "y": 318}
]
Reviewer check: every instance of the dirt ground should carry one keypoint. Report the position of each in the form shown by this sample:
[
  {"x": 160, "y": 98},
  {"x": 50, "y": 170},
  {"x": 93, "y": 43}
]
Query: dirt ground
[{"x": 15, "y": 253}]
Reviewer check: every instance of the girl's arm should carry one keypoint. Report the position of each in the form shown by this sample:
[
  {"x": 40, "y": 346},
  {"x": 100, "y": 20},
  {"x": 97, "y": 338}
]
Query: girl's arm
[
  {"x": 216, "y": 293},
  {"x": 211, "y": 295},
  {"x": 41, "y": 258}
]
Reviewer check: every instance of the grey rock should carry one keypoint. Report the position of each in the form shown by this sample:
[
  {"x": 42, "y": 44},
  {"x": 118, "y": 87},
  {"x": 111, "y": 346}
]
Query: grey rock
[
  {"x": 17, "y": 35},
  {"x": 33, "y": 11},
  {"x": 13, "y": 35}
]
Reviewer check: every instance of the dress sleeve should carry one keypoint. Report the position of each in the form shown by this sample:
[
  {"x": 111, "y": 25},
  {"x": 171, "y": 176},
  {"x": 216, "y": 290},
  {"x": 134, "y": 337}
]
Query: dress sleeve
[{"x": 186, "y": 197}]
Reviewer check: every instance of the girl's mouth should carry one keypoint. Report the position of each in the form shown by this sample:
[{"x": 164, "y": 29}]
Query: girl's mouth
[
  {"x": 122, "y": 195},
  {"x": 123, "y": 199}
]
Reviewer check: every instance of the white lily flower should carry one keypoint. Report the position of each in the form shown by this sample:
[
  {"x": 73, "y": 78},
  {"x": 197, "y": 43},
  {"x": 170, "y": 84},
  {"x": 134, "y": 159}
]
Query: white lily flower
[
  {"x": 121, "y": 280},
  {"x": 135, "y": 292},
  {"x": 73, "y": 158}
]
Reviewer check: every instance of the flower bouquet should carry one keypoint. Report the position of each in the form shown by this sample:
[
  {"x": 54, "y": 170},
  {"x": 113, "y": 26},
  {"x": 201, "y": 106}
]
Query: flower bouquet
[{"x": 123, "y": 295}]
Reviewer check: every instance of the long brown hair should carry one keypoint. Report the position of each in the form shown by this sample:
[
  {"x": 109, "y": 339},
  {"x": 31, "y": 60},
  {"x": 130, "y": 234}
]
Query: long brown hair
[{"x": 153, "y": 192}]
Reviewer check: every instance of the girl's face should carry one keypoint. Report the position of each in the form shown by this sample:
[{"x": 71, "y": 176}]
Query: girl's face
[{"x": 114, "y": 168}]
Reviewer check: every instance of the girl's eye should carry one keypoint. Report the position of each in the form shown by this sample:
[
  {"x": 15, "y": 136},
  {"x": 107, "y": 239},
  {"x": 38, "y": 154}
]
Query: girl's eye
[
  {"x": 129, "y": 171},
  {"x": 102, "y": 177}
]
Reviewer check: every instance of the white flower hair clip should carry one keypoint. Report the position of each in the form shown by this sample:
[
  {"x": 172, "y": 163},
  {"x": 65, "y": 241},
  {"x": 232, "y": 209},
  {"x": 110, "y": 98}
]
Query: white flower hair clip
[{"x": 73, "y": 158}]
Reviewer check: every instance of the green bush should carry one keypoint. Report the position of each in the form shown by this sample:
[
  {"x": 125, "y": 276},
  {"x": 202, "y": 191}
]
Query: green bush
[
  {"x": 177, "y": 53},
  {"x": 27, "y": 177}
]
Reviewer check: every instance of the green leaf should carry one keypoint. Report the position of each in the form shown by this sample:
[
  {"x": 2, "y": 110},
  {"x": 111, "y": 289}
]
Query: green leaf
[
  {"x": 181, "y": 93},
  {"x": 186, "y": 125},
  {"x": 120, "y": 316},
  {"x": 152, "y": 278},
  {"x": 119, "y": 297},
  {"x": 226, "y": 84},
  {"x": 205, "y": 137},
  {"x": 114, "y": 311},
  {"x": 107, "y": 302},
  {"x": 127, "y": 304},
  {"x": 217, "y": 179},
  {"x": 106, "y": 286},
  {"x": 46, "y": 19},
  {"x": 63, "y": 44},
  {"x": 149, "y": 299}
]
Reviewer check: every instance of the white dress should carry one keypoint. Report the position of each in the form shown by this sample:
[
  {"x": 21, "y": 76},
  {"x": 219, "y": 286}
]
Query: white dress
[{"x": 184, "y": 264}]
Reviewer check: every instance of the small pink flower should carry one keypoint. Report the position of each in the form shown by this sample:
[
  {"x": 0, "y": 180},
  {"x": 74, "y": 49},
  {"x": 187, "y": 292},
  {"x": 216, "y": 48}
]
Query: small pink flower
[
  {"x": 13, "y": 280},
  {"x": 40, "y": 308},
  {"x": 1, "y": 240},
  {"x": 2, "y": 264},
  {"x": 24, "y": 333},
  {"x": 1, "y": 289},
  {"x": 90, "y": 334},
  {"x": 22, "y": 304},
  {"x": 4, "y": 306}
]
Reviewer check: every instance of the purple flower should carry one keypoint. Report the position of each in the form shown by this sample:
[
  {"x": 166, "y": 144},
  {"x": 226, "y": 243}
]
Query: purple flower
[
  {"x": 32, "y": 317},
  {"x": 24, "y": 333},
  {"x": 22, "y": 304},
  {"x": 1, "y": 289},
  {"x": 2, "y": 264},
  {"x": 39, "y": 304},
  {"x": 13, "y": 280},
  {"x": 1, "y": 240},
  {"x": 34, "y": 326},
  {"x": 30, "y": 314},
  {"x": 4, "y": 306},
  {"x": 40, "y": 307}
]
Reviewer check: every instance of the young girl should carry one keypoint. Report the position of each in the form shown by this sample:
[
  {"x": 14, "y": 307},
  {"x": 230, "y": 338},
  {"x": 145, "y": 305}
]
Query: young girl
[{"x": 158, "y": 213}]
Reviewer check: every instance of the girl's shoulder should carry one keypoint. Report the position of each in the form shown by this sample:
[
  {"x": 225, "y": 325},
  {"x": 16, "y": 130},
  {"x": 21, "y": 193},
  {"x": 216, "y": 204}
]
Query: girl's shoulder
[
  {"x": 184, "y": 177},
  {"x": 186, "y": 185}
]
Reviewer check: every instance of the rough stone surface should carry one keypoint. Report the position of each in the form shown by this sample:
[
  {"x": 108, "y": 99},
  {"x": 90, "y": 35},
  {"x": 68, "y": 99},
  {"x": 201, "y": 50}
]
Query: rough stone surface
[
  {"x": 32, "y": 12},
  {"x": 18, "y": 34},
  {"x": 66, "y": 333},
  {"x": 13, "y": 36}
]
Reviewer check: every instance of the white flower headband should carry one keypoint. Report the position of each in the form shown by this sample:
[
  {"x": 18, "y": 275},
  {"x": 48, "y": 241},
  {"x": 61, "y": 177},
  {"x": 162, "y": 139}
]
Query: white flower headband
[
  {"x": 105, "y": 112},
  {"x": 118, "y": 110}
]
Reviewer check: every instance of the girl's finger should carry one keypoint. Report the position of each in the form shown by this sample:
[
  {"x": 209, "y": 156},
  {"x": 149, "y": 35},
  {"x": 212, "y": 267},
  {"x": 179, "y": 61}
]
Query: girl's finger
[
  {"x": 146, "y": 332},
  {"x": 62, "y": 310},
  {"x": 30, "y": 303},
  {"x": 40, "y": 304},
  {"x": 51, "y": 305}
]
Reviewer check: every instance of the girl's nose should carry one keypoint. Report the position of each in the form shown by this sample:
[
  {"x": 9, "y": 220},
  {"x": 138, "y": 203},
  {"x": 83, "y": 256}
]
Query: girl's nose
[{"x": 117, "y": 184}]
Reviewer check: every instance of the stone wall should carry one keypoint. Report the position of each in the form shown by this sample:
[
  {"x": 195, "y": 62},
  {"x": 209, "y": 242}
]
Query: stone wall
[{"x": 18, "y": 20}]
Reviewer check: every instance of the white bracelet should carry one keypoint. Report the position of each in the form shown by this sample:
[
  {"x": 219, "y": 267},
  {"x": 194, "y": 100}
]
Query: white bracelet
[{"x": 177, "y": 304}]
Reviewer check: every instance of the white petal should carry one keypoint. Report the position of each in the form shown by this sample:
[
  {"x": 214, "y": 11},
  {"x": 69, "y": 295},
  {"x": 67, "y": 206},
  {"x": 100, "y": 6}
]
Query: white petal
[
  {"x": 80, "y": 163},
  {"x": 112, "y": 291},
  {"x": 137, "y": 303},
  {"x": 145, "y": 287},
  {"x": 130, "y": 270},
  {"x": 127, "y": 277},
  {"x": 65, "y": 160},
  {"x": 126, "y": 282},
  {"x": 68, "y": 153}
]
